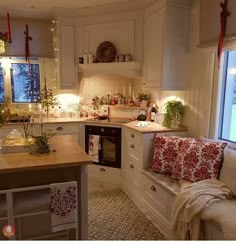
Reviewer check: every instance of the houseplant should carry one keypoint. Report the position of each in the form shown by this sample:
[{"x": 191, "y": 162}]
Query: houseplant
[
  {"x": 144, "y": 98},
  {"x": 174, "y": 113}
]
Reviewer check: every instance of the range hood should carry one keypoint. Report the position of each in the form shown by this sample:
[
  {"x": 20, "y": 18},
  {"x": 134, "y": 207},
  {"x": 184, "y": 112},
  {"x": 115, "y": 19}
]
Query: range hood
[{"x": 128, "y": 69}]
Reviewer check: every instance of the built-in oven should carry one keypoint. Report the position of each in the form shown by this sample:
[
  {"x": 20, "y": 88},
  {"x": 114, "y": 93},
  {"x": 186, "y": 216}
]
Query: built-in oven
[{"x": 103, "y": 144}]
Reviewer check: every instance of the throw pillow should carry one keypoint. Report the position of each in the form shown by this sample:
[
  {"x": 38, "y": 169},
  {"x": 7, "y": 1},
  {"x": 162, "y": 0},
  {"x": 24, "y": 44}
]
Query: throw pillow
[
  {"x": 198, "y": 160},
  {"x": 165, "y": 152},
  {"x": 228, "y": 170}
]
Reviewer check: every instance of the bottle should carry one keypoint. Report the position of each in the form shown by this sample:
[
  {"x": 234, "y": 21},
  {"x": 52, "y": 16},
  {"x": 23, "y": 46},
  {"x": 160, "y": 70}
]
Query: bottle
[
  {"x": 85, "y": 58},
  {"x": 90, "y": 58},
  {"x": 153, "y": 112}
]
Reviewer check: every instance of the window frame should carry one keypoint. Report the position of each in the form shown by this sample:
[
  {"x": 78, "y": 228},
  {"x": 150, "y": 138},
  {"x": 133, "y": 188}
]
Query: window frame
[{"x": 6, "y": 64}]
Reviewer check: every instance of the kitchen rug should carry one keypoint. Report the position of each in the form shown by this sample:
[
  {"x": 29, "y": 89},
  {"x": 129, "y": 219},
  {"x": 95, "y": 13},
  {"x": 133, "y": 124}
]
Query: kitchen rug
[{"x": 113, "y": 216}]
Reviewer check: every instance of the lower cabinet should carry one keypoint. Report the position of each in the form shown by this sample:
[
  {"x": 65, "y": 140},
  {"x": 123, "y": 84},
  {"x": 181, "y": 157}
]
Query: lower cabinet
[
  {"x": 28, "y": 210},
  {"x": 103, "y": 178}
]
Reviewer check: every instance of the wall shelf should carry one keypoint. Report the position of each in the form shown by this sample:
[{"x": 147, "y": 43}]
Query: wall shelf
[{"x": 128, "y": 69}]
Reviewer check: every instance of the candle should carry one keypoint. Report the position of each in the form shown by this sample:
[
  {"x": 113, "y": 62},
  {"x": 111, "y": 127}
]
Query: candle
[
  {"x": 8, "y": 28},
  {"x": 124, "y": 92},
  {"x": 30, "y": 106},
  {"x": 129, "y": 90}
]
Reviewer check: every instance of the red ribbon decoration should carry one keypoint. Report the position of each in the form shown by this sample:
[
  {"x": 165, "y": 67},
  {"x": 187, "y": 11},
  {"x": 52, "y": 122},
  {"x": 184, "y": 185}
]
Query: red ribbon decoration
[
  {"x": 27, "y": 48},
  {"x": 27, "y": 39},
  {"x": 8, "y": 29},
  {"x": 223, "y": 22}
]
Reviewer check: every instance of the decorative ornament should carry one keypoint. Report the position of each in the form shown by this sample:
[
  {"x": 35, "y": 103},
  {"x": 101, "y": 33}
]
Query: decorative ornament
[
  {"x": 223, "y": 23},
  {"x": 5, "y": 37},
  {"x": 27, "y": 39}
]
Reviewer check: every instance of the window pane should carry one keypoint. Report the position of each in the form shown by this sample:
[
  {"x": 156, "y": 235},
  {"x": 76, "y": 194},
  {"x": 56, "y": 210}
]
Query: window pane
[
  {"x": 25, "y": 85},
  {"x": 2, "y": 97},
  {"x": 228, "y": 126}
]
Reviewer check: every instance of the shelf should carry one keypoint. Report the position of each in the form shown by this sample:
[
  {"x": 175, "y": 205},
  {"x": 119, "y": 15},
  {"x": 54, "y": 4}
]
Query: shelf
[{"x": 128, "y": 69}]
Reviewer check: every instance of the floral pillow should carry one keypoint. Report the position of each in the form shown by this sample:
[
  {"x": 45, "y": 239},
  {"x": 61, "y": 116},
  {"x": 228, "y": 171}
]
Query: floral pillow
[
  {"x": 165, "y": 153},
  {"x": 198, "y": 160}
]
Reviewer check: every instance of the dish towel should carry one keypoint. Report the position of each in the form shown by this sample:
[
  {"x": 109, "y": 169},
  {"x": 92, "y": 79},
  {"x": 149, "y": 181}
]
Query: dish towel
[
  {"x": 64, "y": 203},
  {"x": 94, "y": 146}
]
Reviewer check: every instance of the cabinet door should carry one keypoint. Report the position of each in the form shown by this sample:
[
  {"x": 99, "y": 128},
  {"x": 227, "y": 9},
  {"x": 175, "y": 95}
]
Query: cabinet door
[
  {"x": 67, "y": 57},
  {"x": 153, "y": 47}
]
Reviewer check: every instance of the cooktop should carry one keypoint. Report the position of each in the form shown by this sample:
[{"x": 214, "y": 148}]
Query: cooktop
[{"x": 113, "y": 120}]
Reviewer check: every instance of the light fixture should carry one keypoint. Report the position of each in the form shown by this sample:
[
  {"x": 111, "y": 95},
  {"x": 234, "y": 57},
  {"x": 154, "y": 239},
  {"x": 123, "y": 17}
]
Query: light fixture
[
  {"x": 2, "y": 47},
  {"x": 5, "y": 37}
]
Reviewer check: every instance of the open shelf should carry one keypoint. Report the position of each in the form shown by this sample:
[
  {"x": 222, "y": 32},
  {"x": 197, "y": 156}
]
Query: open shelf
[{"x": 128, "y": 69}]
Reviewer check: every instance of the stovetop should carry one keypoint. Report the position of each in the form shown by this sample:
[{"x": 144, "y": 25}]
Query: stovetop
[{"x": 112, "y": 120}]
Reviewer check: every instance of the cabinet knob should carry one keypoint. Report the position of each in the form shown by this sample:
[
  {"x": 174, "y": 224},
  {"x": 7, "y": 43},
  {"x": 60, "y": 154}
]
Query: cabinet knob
[
  {"x": 131, "y": 166},
  {"x": 59, "y": 128},
  {"x": 153, "y": 189},
  {"x": 132, "y": 135},
  {"x": 132, "y": 145},
  {"x": 102, "y": 169}
]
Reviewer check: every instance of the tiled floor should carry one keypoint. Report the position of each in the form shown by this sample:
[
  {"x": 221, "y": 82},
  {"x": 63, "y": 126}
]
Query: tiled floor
[{"x": 113, "y": 216}]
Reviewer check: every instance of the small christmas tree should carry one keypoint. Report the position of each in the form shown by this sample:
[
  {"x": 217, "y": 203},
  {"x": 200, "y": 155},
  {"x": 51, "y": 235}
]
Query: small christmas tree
[{"x": 47, "y": 99}]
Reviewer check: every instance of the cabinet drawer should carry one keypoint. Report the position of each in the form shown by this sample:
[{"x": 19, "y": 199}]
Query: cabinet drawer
[
  {"x": 102, "y": 173},
  {"x": 133, "y": 137},
  {"x": 62, "y": 129},
  {"x": 132, "y": 163},
  {"x": 157, "y": 197}
]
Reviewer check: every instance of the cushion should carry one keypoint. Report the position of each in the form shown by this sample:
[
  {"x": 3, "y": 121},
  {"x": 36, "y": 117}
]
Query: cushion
[
  {"x": 165, "y": 153},
  {"x": 228, "y": 170},
  {"x": 198, "y": 160}
]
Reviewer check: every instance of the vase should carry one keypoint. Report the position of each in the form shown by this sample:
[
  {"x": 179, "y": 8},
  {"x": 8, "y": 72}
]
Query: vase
[{"x": 144, "y": 103}]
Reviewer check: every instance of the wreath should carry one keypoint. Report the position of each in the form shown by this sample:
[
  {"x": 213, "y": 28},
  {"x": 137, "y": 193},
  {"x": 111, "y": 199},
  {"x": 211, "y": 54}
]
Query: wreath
[{"x": 106, "y": 52}]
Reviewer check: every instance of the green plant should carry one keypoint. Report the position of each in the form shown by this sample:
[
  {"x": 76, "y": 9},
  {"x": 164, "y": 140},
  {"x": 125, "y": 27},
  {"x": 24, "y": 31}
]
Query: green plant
[
  {"x": 174, "y": 113},
  {"x": 41, "y": 145},
  {"x": 144, "y": 96}
]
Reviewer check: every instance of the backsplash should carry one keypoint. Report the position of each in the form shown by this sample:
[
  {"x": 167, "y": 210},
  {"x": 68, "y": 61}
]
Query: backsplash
[{"x": 101, "y": 85}]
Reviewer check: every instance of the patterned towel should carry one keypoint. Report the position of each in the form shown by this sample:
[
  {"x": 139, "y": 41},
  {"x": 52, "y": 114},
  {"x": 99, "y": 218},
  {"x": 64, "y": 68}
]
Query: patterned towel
[
  {"x": 94, "y": 146},
  {"x": 64, "y": 210}
]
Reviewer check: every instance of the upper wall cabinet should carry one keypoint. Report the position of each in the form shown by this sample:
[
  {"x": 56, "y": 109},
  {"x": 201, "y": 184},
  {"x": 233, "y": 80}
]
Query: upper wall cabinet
[
  {"x": 41, "y": 44},
  {"x": 65, "y": 55},
  {"x": 123, "y": 29},
  {"x": 210, "y": 21},
  {"x": 166, "y": 44}
]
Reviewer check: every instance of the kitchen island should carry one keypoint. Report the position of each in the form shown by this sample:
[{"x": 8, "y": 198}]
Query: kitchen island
[{"x": 68, "y": 163}]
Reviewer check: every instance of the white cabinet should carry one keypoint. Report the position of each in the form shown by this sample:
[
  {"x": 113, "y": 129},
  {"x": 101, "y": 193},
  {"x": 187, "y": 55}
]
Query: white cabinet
[
  {"x": 210, "y": 21},
  {"x": 137, "y": 154},
  {"x": 65, "y": 54},
  {"x": 166, "y": 45},
  {"x": 63, "y": 129}
]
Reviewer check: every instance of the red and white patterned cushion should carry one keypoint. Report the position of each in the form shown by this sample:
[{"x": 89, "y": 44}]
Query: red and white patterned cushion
[
  {"x": 165, "y": 153},
  {"x": 198, "y": 160}
]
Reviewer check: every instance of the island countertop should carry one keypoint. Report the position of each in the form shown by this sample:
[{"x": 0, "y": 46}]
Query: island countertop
[{"x": 68, "y": 154}]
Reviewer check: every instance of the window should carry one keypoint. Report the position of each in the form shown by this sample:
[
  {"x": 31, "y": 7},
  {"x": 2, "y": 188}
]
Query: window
[
  {"x": 25, "y": 83},
  {"x": 21, "y": 85},
  {"x": 2, "y": 96},
  {"x": 227, "y": 127}
]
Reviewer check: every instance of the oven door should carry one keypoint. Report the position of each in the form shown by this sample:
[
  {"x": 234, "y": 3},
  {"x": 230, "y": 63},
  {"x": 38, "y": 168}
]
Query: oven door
[
  {"x": 109, "y": 153},
  {"x": 103, "y": 144}
]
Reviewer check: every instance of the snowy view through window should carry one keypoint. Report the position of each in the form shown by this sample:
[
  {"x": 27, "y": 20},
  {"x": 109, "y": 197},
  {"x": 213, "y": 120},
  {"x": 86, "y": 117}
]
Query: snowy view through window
[
  {"x": 1, "y": 85},
  {"x": 25, "y": 85},
  {"x": 228, "y": 126}
]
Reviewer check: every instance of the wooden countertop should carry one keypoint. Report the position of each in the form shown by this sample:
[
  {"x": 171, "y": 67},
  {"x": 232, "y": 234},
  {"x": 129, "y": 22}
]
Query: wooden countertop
[
  {"x": 152, "y": 128},
  {"x": 68, "y": 153}
]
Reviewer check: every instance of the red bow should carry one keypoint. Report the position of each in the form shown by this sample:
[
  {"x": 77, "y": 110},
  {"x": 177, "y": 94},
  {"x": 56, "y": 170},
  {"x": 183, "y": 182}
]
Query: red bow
[
  {"x": 223, "y": 22},
  {"x": 27, "y": 39}
]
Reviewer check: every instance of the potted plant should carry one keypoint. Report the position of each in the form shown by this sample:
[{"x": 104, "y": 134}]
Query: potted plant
[
  {"x": 174, "y": 112},
  {"x": 144, "y": 98}
]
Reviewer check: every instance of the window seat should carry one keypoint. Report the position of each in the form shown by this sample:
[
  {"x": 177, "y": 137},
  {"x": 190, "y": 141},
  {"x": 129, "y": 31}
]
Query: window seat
[{"x": 217, "y": 217}]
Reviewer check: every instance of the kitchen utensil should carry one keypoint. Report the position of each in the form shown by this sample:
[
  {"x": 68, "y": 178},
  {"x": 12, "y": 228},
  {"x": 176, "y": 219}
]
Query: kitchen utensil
[{"x": 142, "y": 115}]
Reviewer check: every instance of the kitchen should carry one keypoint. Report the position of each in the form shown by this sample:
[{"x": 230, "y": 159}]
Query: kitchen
[{"x": 172, "y": 58}]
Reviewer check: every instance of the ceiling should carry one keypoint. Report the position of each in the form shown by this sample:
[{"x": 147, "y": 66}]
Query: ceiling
[{"x": 44, "y": 8}]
